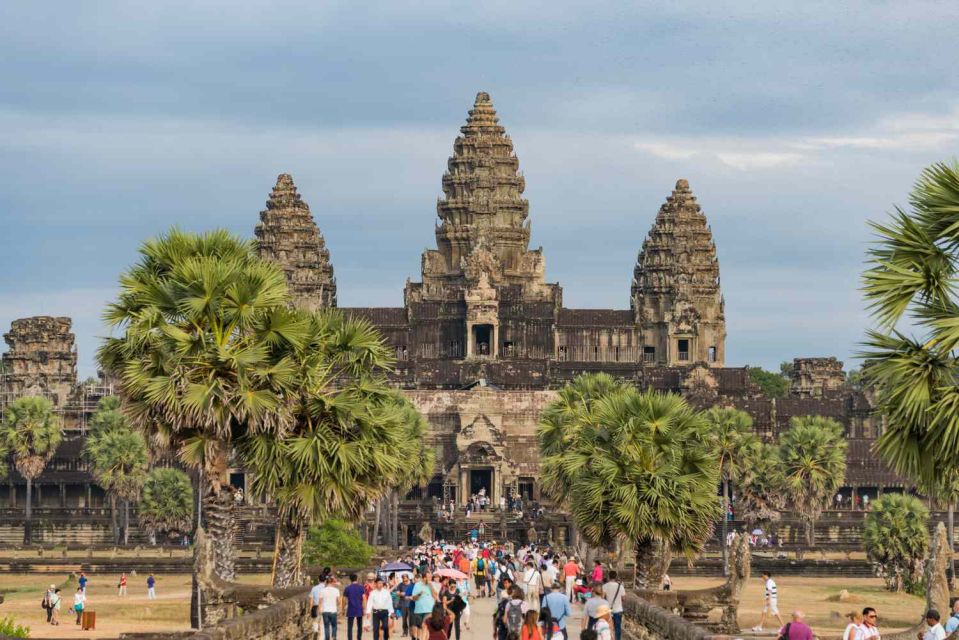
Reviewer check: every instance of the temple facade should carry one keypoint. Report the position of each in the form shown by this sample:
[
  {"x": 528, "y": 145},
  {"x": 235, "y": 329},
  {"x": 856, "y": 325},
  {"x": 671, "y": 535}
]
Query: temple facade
[{"x": 483, "y": 340}]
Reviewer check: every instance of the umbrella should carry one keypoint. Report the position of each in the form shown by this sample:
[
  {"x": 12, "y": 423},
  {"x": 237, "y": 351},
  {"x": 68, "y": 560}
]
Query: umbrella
[
  {"x": 452, "y": 573},
  {"x": 757, "y": 532},
  {"x": 396, "y": 566}
]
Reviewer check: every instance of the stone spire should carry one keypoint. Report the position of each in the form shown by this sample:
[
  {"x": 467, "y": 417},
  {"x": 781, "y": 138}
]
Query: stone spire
[
  {"x": 288, "y": 235},
  {"x": 483, "y": 190},
  {"x": 41, "y": 359},
  {"x": 675, "y": 294}
]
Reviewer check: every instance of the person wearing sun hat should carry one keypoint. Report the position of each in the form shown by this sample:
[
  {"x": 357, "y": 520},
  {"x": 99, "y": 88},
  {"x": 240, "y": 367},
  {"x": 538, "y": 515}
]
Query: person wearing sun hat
[{"x": 603, "y": 626}]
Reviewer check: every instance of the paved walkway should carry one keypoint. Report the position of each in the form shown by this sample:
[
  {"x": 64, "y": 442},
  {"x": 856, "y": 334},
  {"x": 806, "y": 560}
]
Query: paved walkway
[{"x": 481, "y": 623}]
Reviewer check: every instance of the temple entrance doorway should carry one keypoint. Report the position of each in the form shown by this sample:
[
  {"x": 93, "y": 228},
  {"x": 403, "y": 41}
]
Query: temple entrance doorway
[{"x": 481, "y": 479}]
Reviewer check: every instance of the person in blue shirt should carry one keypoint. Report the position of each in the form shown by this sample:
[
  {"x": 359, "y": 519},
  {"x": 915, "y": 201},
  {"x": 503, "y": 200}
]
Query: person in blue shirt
[
  {"x": 83, "y": 582},
  {"x": 558, "y": 605},
  {"x": 423, "y": 599},
  {"x": 953, "y": 623}
]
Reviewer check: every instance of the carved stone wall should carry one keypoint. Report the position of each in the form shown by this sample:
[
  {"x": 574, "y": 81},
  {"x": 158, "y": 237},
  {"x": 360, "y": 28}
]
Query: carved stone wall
[
  {"x": 41, "y": 359},
  {"x": 816, "y": 377}
]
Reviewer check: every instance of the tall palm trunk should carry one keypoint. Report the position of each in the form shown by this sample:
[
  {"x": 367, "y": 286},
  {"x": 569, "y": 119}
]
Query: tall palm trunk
[
  {"x": 396, "y": 519},
  {"x": 376, "y": 523},
  {"x": 219, "y": 512},
  {"x": 722, "y": 541},
  {"x": 810, "y": 532},
  {"x": 126, "y": 522},
  {"x": 27, "y": 533},
  {"x": 114, "y": 523},
  {"x": 951, "y": 526},
  {"x": 289, "y": 552},
  {"x": 652, "y": 561}
]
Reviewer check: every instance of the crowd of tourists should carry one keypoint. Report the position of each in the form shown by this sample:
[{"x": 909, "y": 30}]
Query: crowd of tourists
[
  {"x": 53, "y": 604},
  {"x": 426, "y": 595}
]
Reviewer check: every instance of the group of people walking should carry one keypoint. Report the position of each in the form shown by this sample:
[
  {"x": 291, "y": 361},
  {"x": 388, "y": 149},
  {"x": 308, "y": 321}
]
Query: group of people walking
[
  {"x": 427, "y": 595},
  {"x": 52, "y": 602}
]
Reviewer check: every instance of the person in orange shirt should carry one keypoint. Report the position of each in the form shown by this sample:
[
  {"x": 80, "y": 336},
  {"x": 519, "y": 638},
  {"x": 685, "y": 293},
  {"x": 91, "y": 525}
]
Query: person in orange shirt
[
  {"x": 571, "y": 570},
  {"x": 464, "y": 564}
]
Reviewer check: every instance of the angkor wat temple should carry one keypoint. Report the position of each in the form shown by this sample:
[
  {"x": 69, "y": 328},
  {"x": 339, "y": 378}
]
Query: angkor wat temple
[{"x": 482, "y": 341}]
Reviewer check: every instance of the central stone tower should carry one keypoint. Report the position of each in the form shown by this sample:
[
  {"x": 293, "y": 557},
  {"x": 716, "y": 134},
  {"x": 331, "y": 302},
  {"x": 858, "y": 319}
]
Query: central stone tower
[
  {"x": 482, "y": 273},
  {"x": 676, "y": 298}
]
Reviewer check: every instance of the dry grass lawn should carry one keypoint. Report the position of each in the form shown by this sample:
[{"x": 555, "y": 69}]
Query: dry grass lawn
[
  {"x": 814, "y": 596},
  {"x": 169, "y": 612}
]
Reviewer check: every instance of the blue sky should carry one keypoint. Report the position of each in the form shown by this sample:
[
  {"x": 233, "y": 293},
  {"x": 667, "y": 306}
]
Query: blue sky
[{"x": 794, "y": 123}]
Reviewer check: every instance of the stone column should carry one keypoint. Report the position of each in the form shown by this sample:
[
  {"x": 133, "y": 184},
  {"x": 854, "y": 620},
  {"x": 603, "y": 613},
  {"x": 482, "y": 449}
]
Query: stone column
[{"x": 63, "y": 495}]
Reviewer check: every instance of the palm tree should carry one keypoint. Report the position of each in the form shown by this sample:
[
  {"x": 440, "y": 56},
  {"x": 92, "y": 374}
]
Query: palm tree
[
  {"x": 812, "y": 457},
  {"x": 352, "y": 438},
  {"x": 911, "y": 278},
  {"x": 31, "y": 430},
  {"x": 118, "y": 462},
  {"x": 896, "y": 536},
  {"x": 634, "y": 465},
  {"x": 760, "y": 486},
  {"x": 204, "y": 324},
  {"x": 734, "y": 440},
  {"x": 166, "y": 502}
]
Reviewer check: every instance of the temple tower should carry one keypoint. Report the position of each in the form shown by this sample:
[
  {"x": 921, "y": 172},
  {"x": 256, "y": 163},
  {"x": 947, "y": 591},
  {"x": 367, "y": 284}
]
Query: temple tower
[
  {"x": 288, "y": 235},
  {"x": 482, "y": 272},
  {"x": 41, "y": 359},
  {"x": 676, "y": 298}
]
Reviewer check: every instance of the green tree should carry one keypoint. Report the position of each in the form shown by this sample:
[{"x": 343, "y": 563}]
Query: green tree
[
  {"x": 350, "y": 441},
  {"x": 896, "y": 537},
  {"x": 335, "y": 543},
  {"x": 812, "y": 458},
  {"x": 759, "y": 486},
  {"x": 773, "y": 385},
  {"x": 734, "y": 441},
  {"x": 634, "y": 465},
  {"x": 118, "y": 462},
  {"x": 911, "y": 280},
  {"x": 204, "y": 327},
  {"x": 118, "y": 459},
  {"x": 31, "y": 431},
  {"x": 166, "y": 502}
]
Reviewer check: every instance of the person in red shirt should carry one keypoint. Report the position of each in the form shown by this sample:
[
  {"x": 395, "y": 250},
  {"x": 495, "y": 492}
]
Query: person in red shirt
[{"x": 570, "y": 571}]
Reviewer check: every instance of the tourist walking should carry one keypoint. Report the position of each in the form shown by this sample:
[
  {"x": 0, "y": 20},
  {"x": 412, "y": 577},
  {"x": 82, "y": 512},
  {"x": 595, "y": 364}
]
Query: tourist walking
[
  {"x": 402, "y": 590},
  {"x": 597, "y": 575},
  {"x": 151, "y": 587},
  {"x": 122, "y": 586},
  {"x": 437, "y": 623},
  {"x": 532, "y": 585},
  {"x": 356, "y": 604},
  {"x": 935, "y": 630},
  {"x": 952, "y": 624},
  {"x": 79, "y": 601},
  {"x": 559, "y": 610},
  {"x": 797, "y": 629},
  {"x": 854, "y": 628},
  {"x": 570, "y": 571},
  {"x": 515, "y": 611},
  {"x": 47, "y": 602},
  {"x": 870, "y": 622},
  {"x": 83, "y": 581},
  {"x": 602, "y": 627},
  {"x": 379, "y": 607},
  {"x": 330, "y": 603},
  {"x": 613, "y": 592},
  {"x": 55, "y": 601},
  {"x": 531, "y": 627},
  {"x": 479, "y": 575},
  {"x": 770, "y": 602},
  {"x": 424, "y": 600},
  {"x": 593, "y": 603}
]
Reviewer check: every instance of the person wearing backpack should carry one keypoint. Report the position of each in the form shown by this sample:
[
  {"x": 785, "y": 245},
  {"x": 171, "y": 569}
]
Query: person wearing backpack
[
  {"x": 479, "y": 575},
  {"x": 47, "y": 603},
  {"x": 515, "y": 611}
]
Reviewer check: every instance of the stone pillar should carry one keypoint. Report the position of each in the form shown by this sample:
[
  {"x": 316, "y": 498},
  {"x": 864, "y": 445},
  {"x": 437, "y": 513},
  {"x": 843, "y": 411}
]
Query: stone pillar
[
  {"x": 465, "y": 486},
  {"x": 89, "y": 496},
  {"x": 63, "y": 495},
  {"x": 13, "y": 495},
  {"x": 855, "y": 498}
]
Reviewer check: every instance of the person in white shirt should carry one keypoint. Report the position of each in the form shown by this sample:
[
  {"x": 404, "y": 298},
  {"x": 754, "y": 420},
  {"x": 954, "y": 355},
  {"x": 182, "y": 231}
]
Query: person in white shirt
[
  {"x": 379, "y": 607},
  {"x": 330, "y": 602},
  {"x": 532, "y": 585},
  {"x": 869, "y": 621},
  {"x": 854, "y": 628},
  {"x": 613, "y": 594},
  {"x": 935, "y": 630},
  {"x": 770, "y": 602}
]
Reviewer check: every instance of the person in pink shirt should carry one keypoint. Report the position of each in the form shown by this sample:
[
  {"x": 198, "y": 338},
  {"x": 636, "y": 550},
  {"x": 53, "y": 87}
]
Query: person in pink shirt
[{"x": 597, "y": 575}]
